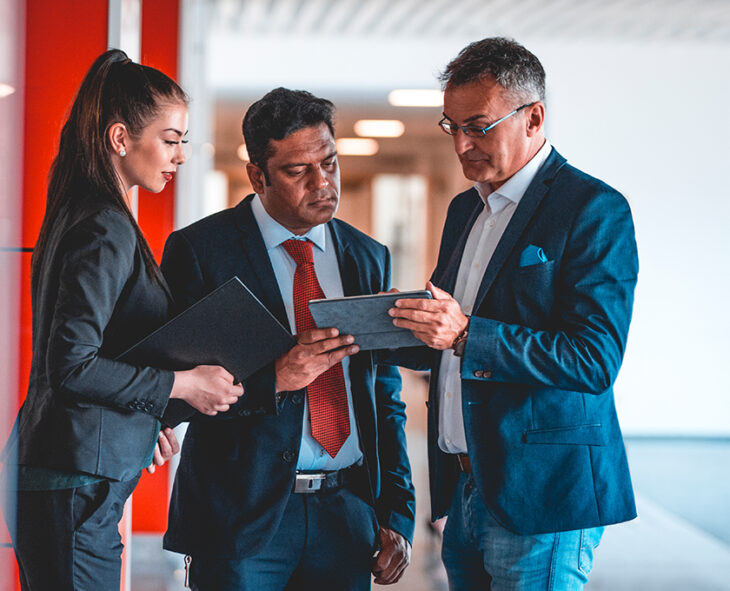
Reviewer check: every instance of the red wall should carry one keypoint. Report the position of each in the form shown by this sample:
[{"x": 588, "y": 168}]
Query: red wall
[
  {"x": 62, "y": 40},
  {"x": 160, "y": 26}
]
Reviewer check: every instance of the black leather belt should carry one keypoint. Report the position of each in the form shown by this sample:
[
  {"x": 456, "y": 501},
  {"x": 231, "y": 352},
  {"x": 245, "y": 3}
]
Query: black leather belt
[
  {"x": 311, "y": 482},
  {"x": 464, "y": 463}
]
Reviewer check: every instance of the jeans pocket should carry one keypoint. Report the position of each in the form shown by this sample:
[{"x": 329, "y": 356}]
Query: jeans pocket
[{"x": 589, "y": 541}]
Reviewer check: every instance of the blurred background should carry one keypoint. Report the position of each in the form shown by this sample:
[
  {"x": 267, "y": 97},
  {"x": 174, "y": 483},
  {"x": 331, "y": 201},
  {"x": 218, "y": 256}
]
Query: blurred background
[{"x": 637, "y": 95}]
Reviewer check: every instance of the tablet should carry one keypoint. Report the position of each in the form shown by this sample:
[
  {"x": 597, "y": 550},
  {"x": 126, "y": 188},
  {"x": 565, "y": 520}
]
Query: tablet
[{"x": 366, "y": 318}]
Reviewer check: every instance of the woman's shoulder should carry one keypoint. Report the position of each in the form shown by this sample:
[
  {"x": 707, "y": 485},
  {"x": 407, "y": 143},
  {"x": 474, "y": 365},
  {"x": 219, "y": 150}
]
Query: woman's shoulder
[
  {"x": 102, "y": 223},
  {"x": 105, "y": 232}
]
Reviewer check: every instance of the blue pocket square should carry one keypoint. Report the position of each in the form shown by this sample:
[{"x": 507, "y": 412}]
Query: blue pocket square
[{"x": 532, "y": 255}]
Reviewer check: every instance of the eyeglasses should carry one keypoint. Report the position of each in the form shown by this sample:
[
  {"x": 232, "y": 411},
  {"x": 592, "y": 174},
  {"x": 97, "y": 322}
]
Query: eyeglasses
[{"x": 473, "y": 130}]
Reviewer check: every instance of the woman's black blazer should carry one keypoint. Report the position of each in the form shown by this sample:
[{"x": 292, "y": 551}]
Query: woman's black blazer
[{"x": 92, "y": 300}]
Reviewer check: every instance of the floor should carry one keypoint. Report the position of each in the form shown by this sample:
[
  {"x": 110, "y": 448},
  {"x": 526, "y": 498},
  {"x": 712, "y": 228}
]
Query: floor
[{"x": 681, "y": 540}]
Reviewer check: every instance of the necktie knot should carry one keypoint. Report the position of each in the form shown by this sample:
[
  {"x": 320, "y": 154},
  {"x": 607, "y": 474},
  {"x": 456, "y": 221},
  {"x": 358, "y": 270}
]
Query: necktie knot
[{"x": 300, "y": 251}]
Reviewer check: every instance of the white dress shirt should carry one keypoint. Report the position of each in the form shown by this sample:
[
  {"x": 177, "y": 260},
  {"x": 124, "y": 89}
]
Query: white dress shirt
[
  {"x": 312, "y": 455},
  {"x": 499, "y": 206}
]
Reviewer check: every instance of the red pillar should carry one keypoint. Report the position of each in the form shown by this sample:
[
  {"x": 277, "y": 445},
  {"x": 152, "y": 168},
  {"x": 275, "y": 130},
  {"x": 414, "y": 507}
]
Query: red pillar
[
  {"x": 61, "y": 41},
  {"x": 160, "y": 35},
  {"x": 160, "y": 25}
]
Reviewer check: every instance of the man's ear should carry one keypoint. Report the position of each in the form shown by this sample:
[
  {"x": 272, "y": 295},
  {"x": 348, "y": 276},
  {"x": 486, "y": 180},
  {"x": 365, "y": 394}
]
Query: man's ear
[
  {"x": 535, "y": 118},
  {"x": 256, "y": 176},
  {"x": 118, "y": 138}
]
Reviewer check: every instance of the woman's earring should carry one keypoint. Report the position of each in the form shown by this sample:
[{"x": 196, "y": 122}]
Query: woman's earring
[{"x": 122, "y": 152}]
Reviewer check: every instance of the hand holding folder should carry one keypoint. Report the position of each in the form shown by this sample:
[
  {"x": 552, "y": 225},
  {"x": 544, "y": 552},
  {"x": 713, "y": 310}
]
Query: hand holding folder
[{"x": 229, "y": 327}]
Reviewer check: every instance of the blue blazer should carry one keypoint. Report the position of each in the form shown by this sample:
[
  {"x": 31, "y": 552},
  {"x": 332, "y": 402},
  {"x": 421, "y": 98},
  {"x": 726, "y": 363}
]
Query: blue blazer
[
  {"x": 546, "y": 340},
  {"x": 235, "y": 476}
]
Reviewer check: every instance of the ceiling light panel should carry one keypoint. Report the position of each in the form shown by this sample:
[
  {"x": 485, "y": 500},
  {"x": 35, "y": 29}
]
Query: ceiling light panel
[
  {"x": 356, "y": 146},
  {"x": 379, "y": 128}
]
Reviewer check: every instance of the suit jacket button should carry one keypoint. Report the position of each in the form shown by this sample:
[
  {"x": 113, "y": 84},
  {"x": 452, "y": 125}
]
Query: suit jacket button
[
  {"x": 487, "y": 374},
  {"x": 478, "y": 373},
  {"x": 297, "y": 398},
  {"x": 287, "y": 456},
  {"x": 279, "y": 397}
]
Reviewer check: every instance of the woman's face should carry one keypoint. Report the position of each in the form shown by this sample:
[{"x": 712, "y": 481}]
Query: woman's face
[{"x": 154, "y": 155}]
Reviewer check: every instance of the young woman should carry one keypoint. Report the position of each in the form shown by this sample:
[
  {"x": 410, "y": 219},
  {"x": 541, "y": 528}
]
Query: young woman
[{"x": 89, "y": 424}]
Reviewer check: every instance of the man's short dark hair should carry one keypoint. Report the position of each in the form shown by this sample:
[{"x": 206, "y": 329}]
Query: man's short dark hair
[
  {"x": 277, "y": 115},
  {"x": 512, "y": 66}
]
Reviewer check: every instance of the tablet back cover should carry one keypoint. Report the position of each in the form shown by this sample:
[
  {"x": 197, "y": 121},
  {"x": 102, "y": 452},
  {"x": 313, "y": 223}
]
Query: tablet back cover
[{"x": 366, "y": 318}]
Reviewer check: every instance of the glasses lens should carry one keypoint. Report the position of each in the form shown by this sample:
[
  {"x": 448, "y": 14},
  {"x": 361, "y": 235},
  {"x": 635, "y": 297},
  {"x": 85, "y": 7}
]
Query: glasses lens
[
  {"x": 449, "y": 128},
  {"x": 475, "y": 131}
]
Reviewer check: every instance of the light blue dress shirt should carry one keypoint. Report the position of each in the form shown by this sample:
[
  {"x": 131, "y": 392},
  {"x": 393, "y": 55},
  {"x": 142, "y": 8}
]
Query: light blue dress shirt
[{"x": 312, "y": 455}]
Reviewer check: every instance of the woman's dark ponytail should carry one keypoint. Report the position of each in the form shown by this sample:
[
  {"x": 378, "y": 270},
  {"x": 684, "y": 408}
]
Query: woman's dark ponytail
[{"x": 114, "y": 90}]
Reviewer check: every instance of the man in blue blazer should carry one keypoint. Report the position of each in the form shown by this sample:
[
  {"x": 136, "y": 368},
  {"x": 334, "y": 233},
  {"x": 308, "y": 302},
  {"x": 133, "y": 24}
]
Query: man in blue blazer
[
  {"x": 258, "y": 502},
  {"x": 533, "y": 293}
]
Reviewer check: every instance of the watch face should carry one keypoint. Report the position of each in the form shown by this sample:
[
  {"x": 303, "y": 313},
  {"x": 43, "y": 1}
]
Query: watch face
[{"x": 459, "y": 348}]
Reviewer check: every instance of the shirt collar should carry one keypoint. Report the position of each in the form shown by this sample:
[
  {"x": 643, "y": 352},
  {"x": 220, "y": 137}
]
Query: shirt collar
[
  {"x": 274, "y": 233},
  {"x": 516, "y": 185}
]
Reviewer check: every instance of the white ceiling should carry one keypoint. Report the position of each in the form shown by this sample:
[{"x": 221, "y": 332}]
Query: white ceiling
[
  {"x": 363, "y": 48},
  {"x": 474, "y": 19}
]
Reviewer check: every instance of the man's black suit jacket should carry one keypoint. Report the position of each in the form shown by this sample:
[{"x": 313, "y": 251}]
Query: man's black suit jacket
[{"x": 235, "y": 475}]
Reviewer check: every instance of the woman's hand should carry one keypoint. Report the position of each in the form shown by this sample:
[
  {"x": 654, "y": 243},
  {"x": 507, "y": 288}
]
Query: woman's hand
[
  {"x": 167, "y": 446},
  {"x": 207, "y": 388}
]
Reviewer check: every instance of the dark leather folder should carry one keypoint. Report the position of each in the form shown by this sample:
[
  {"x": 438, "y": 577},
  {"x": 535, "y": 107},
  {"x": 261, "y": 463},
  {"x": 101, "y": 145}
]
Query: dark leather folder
[
  {"x": 366, "y": 318},
  {"x": 229, "y": 327}
]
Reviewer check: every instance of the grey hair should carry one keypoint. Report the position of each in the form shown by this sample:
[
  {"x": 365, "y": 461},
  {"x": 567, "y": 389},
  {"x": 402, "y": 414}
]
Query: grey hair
[{"x": 512, "y": 66}]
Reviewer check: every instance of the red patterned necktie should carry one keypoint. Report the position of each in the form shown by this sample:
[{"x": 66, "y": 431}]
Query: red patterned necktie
[{"x": 328, "y": 413}]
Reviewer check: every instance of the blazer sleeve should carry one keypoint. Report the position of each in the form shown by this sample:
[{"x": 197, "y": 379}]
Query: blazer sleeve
[
  {"x": 396, "y": 504},
  {"x": 582, "y": 352},
  {"x": 98, "y": 260}
]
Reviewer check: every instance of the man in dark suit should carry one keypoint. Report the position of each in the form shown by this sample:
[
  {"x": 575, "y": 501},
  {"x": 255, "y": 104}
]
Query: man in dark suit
[
  {"x": 309, "y": 476},
  {"x": 533, "y": 293}
]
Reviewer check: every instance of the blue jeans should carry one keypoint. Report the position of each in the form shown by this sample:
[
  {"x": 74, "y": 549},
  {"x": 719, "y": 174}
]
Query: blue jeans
[{"x": 481, "y": 554}]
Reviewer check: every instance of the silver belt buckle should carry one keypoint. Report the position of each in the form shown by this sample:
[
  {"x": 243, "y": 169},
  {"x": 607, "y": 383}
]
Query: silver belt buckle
[{"x": 308, "y": 483}]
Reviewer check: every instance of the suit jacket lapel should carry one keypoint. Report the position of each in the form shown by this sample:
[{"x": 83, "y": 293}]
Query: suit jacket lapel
[
  {"x": 355, "y": 283},
  {"x": 352, "y": 280},
  {"x": 446, "y": 279},
  {"x": 259, "y": 276},
  {"x": 530, "y": 201}
]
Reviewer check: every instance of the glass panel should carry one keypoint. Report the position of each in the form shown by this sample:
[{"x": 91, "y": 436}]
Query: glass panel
[
  {"x": 11, "y": 255},
  {"x": 399, "y": 214}
]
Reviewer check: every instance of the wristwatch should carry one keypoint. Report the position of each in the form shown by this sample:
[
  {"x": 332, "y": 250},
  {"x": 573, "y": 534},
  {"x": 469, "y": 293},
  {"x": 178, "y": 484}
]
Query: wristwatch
[{"x": 459, "y": 343}]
